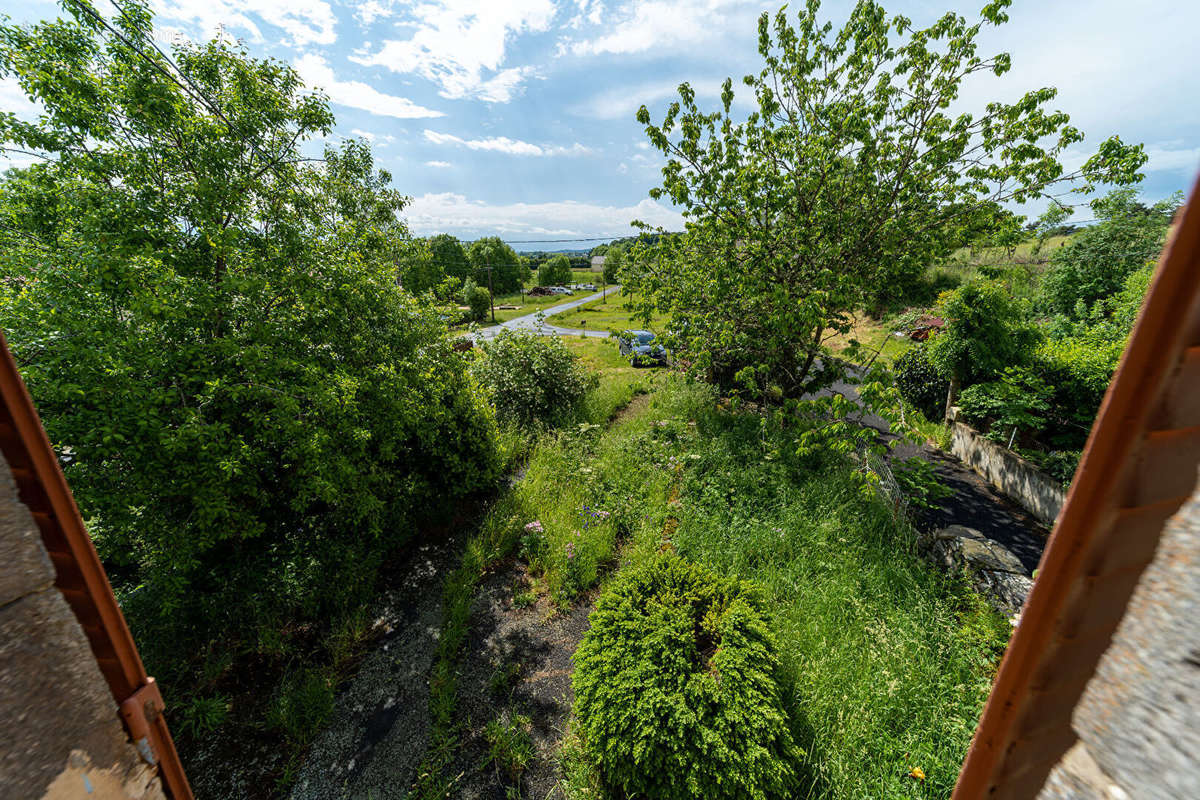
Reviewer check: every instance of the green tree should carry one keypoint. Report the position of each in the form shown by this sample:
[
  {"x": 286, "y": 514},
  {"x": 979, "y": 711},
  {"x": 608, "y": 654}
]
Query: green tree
[
  {"x": 613, "y": 262},
  {"x": 986, "y": 331},
  {"x": 837, "y": 188},
  {"x": 1051, "y": 220},
  {"x": 420, "y": 272},
  {"x": 448, "y": 254},
  {"x": 251, "y": 411},
  {"x": 556, "y": 271},
  {"x": 1096, "y": 262},
  {"x": 508, "y": 269}
]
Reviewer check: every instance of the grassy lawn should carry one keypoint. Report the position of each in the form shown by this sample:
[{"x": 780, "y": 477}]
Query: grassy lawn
[
  {"x": 874, "y": 335},
  {"x": 608, "y": 314}
]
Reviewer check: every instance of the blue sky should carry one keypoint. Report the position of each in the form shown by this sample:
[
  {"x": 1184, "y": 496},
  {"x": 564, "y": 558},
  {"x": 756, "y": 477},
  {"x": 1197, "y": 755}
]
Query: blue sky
[{"x": 515, "y": 117}]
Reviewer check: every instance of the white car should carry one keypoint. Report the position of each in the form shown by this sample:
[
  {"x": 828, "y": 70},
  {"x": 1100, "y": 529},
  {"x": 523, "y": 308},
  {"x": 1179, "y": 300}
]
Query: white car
[{"x": 559, "y": 290}]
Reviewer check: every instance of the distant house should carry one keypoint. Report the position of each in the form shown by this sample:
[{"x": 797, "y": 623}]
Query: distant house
[{"x": 597, "y": 263}]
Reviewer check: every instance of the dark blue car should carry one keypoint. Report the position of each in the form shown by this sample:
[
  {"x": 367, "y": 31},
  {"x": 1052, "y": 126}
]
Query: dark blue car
[{"x": 641, "y": 348}]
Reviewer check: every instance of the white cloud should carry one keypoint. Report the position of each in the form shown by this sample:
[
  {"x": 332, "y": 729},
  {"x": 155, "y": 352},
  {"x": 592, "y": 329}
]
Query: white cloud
[
  {"x": 310, "y": 22},
  {"x": 461, "y": 45},
  {"x": 503, "y": 144},
  {"x": 622, "y": 102},
  {"x": 1169, "y": 157},
  {"x": 448, "y": 212},
  {"x": 371, "y": 10},
  {"x": 643, "y": 25},
  {"x": 317, "y": 73},
  {"x": 439, "y": 164},
  {"x": 380, "y": 139}
]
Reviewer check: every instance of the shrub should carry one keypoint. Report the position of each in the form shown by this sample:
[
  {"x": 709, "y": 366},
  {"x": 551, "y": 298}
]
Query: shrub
[
  {"x": 919, "y": 382},
  {"x": 675, "y": 688},
  {"x": 986, "y": 330},
  {"x": 555, "y": 271},
  {"x": 1018, "y": 400},
  {"x": 480, "y": 302},
  {"x": 531, "y": 378}
]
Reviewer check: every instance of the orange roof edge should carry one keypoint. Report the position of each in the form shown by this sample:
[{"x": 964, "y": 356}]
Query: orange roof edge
[
  {"x": 43, "y": 488},
  {"x": 1151, "y": 357}
]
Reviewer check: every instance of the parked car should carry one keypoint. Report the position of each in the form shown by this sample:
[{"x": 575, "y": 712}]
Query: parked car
[
  {"x": 589, "y": 287},
  {"x": 559, "y": 290},
  {"x": 642, "y": 349}
]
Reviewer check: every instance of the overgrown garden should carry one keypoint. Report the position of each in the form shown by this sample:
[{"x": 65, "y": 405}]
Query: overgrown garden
[{"x": 244, "y": 362}]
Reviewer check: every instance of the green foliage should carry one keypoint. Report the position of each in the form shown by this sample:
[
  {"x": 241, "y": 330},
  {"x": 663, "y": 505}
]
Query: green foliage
[
  {"x": 1018, "y": 400},
  {"x": 507, "y": 268},
  {"x": 530, "y": 378},
  {"x": 1097, "y": 260},
  {"x": 840, "y": 185},
  {"x": 448, "y": 255},
  {"x": 919, "y": 382},
  {"x": 203, "y": 715},
  {"x": 251, "y": 411},
  {"x": 510, "y": 747},
  {"x": 614, "y": 259},
  {"x": 555, "y": 271},
  {"x": 420, "y": 272},
  {"x": 919, "y": 483},
  {"x": 986, "y": 330},
  {"x": 301, "y": 705},
  {"x": 480, "y": 302},
  {"x": 675, "y": 689}
]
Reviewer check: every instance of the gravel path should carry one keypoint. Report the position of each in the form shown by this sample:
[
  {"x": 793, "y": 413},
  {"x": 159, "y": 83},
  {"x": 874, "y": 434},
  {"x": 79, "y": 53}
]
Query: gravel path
[{"x": 380, "y": 727}]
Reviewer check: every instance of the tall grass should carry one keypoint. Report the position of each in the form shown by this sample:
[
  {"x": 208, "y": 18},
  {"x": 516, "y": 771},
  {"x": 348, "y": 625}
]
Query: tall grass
[{"x": 886, "y": 661}]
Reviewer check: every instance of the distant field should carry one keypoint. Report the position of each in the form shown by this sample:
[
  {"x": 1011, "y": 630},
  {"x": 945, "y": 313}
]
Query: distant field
[{"x": 605, "y": 315}]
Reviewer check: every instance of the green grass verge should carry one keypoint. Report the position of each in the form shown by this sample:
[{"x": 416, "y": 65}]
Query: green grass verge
[
  {"x": 886, "y": 661},
  {"x": 607, "y": 314},
  {"x": 499, "y": 534}
]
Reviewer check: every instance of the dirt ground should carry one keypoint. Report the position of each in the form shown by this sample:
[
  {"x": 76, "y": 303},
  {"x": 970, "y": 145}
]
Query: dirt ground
[{"x": 515, "y": 661}]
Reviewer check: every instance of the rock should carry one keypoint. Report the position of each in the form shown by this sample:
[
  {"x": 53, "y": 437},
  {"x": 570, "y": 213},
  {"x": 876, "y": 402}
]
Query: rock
[
  {"x": 1006, "y": 590},
  {"x": 995, "y": 572}
]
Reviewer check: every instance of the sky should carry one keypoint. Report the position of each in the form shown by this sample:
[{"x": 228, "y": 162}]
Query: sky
[{"x": 516, "y": 117}]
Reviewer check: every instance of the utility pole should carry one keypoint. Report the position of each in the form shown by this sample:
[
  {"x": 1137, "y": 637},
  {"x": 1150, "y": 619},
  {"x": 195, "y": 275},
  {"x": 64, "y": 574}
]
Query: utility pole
[{"x": 491, "y": 299}]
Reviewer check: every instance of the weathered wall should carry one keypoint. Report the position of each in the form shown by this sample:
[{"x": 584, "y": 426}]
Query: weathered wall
[
  {"x": 1036, "y": 491},
  {"x": 62, "y": 735},
  {"x": 1138, "y": 722}
]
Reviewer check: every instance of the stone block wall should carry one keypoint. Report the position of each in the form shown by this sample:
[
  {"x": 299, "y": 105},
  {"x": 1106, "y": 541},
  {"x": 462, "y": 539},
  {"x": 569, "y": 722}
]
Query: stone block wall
[
  {"x": 62, "y": 734},
  {"x": 1033, "y": 489}
]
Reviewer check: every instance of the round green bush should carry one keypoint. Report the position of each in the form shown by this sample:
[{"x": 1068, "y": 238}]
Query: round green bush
[
  {"x": 920, "y": 384},
  {"x": 531, "y": 378},
  {"x": 481, "y": 303},
  {"x": 675, "y": 688}
]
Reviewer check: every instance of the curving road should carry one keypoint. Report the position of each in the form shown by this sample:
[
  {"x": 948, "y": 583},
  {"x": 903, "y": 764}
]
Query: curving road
[{"x": 532, "y": 322}]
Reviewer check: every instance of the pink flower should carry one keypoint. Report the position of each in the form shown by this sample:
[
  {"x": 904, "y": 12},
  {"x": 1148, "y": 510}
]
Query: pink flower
[{"x": 534, "y": 527}]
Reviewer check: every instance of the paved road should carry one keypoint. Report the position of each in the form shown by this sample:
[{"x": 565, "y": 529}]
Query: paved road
[
  {"x": 531, "y": 321},
  {"x": 973, "y": 502}
]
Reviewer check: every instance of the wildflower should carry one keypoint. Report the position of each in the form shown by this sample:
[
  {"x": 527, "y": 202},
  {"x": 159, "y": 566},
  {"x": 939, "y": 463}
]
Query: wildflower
[
  {"x": 603, "y": 514},
  {"x": 1015, "y": 619},
  {"x": 570, "y": 548},
  {"x": 534, "y": 527}
]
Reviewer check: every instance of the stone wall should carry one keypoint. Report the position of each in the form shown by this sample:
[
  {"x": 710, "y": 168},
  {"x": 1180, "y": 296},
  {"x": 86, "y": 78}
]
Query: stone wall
[
  {"x": 1036, "y": 491},
  {"x": 1138, "y": 722},
  {"x": 62, "y": 735}
]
